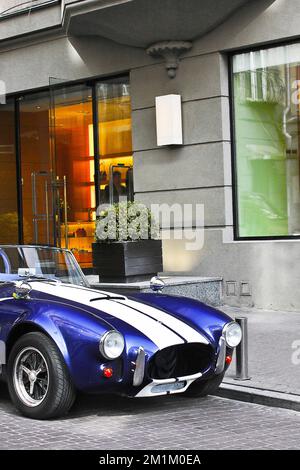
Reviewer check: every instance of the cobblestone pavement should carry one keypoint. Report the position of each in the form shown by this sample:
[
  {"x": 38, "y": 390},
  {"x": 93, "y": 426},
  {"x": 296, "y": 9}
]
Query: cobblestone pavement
[
  {"x": 273, "y": 337},
  {"x": 159, "y": 423}
]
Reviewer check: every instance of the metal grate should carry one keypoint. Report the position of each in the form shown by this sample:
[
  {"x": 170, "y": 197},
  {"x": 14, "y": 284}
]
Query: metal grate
[{"x": 180, "y": 360}]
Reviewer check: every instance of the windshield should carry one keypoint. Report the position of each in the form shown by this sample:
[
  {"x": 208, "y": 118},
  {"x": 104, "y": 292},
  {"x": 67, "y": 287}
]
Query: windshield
[{"x": 20, "y": 262}]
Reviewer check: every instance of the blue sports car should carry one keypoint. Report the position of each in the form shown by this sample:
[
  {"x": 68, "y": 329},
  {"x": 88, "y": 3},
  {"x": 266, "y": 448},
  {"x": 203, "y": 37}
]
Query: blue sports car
[{"x": 59, "y": 336}]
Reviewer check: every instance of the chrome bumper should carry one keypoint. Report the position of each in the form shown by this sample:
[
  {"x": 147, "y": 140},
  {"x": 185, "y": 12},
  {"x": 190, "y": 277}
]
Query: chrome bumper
[
  {"x": 220, "y": 365},
  {"x": 139, "y": 371},
  {"x": 152, "y": 389}
]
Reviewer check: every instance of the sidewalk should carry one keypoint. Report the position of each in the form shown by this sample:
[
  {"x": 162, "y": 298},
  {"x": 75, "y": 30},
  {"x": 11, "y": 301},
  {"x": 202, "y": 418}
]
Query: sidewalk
[{"x": 271, "y": 368}]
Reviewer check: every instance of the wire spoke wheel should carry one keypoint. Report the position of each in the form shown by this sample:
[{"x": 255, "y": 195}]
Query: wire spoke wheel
[{"x": 31, "y": 376}]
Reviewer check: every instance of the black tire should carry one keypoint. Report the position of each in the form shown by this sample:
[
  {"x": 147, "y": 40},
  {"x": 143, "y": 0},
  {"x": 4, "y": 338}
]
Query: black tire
[
  {"x": 60, "y": 394},
  {"x": 202, "y": 388}
]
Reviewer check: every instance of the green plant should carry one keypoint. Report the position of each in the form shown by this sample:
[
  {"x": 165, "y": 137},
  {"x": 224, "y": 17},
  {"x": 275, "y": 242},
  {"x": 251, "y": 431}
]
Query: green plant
[
  {"x": 126, "y": 221},
  {"x": 261, "y": 85}
]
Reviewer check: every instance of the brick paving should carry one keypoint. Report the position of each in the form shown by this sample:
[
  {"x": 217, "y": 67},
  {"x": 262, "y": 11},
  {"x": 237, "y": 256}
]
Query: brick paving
[{"x": 159, "y": 423}]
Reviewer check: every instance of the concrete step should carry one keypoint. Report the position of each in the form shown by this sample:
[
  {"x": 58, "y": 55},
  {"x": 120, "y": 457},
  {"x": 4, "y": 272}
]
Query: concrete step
[{"x": 205, "y": 289}]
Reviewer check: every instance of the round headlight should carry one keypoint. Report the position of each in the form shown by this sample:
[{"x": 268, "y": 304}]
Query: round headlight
[
  {"x": 112, "y": 345},
  {"x": 233, "y": 334}
]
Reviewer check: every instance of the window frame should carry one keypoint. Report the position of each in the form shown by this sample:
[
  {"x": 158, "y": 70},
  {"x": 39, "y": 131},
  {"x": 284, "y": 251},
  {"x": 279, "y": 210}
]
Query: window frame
[{"x": 234, "y": 174}]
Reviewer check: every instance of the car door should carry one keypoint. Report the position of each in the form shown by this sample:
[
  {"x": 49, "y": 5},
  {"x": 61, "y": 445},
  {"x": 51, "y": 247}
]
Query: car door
[{"x": 10, "y": 312}]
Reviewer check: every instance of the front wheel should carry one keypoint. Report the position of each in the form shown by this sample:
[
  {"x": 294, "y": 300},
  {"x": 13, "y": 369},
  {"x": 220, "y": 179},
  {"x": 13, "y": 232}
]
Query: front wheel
[
  {"x": 38, "y": 380},
  {"x": 201, "y": 388}
]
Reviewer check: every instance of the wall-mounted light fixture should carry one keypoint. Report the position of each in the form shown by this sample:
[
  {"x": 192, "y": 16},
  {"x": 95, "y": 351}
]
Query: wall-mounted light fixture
[{"x": 168, "y": 120}]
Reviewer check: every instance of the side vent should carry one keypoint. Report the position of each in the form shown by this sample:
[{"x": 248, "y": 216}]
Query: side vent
[{"x": 231, "y": 288}]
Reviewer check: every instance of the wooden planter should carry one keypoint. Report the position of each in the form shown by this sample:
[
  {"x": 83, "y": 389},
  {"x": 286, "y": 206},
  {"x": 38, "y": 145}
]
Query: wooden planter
[{"x": 127, "y": 261}]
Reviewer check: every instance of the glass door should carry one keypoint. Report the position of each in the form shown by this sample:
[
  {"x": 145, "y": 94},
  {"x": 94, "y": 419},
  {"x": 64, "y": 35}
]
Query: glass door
[
  {"x": 72, "y": 146},
  {"x": 36, "y": 169}
]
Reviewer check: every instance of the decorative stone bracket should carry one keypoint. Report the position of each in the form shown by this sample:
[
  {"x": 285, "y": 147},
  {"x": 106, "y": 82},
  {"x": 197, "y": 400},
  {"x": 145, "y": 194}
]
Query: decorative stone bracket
[{"x": 170, "y": 51}]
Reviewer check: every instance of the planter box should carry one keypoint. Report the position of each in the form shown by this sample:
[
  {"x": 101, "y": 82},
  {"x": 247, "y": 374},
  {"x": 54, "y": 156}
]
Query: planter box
[{"x": 127, "y": 261}]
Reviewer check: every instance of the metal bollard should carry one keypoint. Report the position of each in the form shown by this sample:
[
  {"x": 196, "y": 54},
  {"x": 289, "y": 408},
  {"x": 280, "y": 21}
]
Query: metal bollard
[{"x": 242, "y": 351}]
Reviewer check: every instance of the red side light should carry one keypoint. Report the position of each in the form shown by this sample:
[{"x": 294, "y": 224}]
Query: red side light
[
  {"x": 108, "y": 372},
  {"x": 228, "y": 360}
]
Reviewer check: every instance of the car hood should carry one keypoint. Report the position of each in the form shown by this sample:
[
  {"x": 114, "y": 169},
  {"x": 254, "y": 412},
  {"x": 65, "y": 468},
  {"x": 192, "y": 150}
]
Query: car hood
[
  {"x": 161, "y": 327},
  {"x": 209, "y": 320}
]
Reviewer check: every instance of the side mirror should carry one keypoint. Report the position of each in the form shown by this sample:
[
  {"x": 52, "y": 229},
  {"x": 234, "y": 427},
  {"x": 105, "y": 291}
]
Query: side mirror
[{"x": 22, "y": 290}]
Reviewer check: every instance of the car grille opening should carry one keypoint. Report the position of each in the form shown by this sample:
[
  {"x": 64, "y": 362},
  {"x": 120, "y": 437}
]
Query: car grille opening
[{"x": 180, "y": 360}]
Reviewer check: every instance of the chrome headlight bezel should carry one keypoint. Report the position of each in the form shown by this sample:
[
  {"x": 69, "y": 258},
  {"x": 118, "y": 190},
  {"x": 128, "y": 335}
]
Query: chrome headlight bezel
[
  {"x": 103, "y": 345},
  {"x": 226, "y": 331}
]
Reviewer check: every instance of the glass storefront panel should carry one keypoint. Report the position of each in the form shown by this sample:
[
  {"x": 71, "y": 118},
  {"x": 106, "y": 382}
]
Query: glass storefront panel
[
  {"x": 36, "y": 167},
  {"x": 267, "y": 141},
  {"x": 115, "y": 141},
  {"x": 57, "y": 162},
  {"x": 74, "y": 157},
  {"x": 8, "y": 189}
]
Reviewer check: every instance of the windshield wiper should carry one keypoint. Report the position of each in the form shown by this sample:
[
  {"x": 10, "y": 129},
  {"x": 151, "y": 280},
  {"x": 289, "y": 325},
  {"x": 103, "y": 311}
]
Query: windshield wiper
[{"x": 109, "y": 297}]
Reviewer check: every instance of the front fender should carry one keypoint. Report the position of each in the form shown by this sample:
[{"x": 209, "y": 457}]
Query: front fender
[
  {"x": 44, "y": 325},
  {"x": 75, "y": 333}
]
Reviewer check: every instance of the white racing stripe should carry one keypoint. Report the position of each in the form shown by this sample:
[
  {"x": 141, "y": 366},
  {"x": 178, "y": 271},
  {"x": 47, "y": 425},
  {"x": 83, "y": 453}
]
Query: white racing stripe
[
  {"x": 157, "y": 333},
  {"x": 150, "y": 327},
  {"x": 184, "y": 330}
]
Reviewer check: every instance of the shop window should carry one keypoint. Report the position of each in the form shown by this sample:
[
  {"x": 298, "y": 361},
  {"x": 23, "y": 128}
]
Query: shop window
[
  {"x": 266, "y": 88},
  {"x": 115, "y": 141}
]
